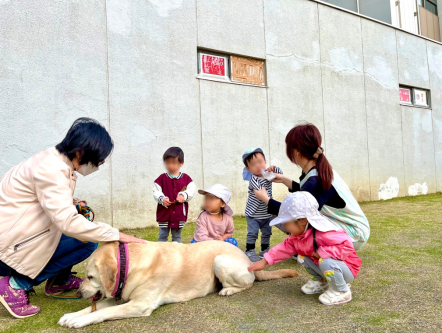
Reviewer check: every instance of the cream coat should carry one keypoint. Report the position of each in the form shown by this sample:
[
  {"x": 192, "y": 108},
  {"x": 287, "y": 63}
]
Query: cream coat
[{"x": 36, "y": 208}]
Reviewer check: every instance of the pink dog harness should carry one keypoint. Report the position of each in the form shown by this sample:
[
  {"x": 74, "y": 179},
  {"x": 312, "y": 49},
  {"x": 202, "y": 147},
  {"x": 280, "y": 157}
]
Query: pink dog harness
[{"x": 122, "y": 270}]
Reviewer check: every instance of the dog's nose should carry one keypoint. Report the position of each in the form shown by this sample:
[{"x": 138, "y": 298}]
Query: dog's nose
[{"x": 78, "y": 294}]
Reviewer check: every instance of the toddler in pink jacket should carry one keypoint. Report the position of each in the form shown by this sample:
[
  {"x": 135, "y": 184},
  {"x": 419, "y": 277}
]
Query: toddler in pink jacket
[{"x": 329, "y": 255}]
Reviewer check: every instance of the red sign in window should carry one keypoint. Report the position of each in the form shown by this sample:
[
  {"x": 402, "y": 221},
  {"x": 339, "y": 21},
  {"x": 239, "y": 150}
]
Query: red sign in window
[
  {"x": 213, "y": 65},
  {"x": 405, "y": 95}
]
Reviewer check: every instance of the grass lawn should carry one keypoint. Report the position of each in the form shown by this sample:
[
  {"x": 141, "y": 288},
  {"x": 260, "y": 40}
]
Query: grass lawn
[{"x": 398, "y": 288}]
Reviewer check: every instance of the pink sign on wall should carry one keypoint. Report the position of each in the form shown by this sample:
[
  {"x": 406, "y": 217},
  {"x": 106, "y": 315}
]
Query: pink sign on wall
[
  {"x": 213, "y": 65},
  {"x": 405, "y": 95}
]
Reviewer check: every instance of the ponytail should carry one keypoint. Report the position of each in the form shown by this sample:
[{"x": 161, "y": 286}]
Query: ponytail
[
  {"x": 307, "y": 139},
  {"x": 325, "y": 172}
]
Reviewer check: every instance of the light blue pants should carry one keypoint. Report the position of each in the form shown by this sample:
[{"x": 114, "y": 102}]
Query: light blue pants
[{"x": 336, "y": 272}]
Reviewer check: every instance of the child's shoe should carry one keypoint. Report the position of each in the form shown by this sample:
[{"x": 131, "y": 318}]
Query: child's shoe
[
  {"x": 262, "y": 252},
  {"x": 331, "y": 297},
  {"x": 314, "y": 287},
  {"x": 252, "y": 255}
]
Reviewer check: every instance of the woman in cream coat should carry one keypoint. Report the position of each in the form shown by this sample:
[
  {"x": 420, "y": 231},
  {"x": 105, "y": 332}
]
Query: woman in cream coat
[{"x": 41, "y": 234}]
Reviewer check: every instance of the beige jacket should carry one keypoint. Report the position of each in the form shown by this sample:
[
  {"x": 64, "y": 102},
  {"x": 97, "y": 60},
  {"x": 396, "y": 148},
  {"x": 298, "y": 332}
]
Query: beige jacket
[{"x": 36, "y": 208}]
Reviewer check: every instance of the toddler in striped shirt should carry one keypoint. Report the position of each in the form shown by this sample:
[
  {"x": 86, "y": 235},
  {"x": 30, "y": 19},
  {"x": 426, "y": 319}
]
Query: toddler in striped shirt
[{"x": 256, "y": 210}]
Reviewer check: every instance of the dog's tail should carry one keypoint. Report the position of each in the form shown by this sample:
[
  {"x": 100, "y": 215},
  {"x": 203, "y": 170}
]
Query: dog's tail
[{"x": 272, "y": 275}]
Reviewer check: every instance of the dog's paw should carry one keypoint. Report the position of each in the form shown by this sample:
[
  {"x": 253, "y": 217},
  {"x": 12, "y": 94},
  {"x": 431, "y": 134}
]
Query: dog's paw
[
  {"x": 77, "y": 322},
  {"x": 226, "y": 292},
  {"x": 67, "y": 317}
]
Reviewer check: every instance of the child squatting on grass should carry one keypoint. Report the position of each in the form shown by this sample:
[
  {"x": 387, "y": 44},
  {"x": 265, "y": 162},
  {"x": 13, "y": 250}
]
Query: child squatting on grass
[
  {"x": 329, "y": 253},
  {"x": 215, "y": 222}
]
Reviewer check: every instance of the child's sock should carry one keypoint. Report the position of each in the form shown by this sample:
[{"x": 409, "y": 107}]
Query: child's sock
[
  {"x": 264, "y": 247},
  {"x": 250, "y": 247}
]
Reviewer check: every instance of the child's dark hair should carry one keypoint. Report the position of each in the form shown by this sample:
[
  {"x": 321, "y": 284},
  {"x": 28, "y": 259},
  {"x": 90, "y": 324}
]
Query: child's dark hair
[
  {"x": 174, "y": 152},
  {"x": 251, "y": 156}
]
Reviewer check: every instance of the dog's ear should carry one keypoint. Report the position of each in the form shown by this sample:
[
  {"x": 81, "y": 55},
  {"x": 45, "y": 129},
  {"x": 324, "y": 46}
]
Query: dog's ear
[{"x": 107, "y": 267}]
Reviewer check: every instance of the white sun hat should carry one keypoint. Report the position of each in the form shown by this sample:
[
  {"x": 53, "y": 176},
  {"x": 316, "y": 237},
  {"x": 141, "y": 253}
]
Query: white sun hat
[
  {"x": 302, "y": 204},
  {"x": 222, "y": 192}
]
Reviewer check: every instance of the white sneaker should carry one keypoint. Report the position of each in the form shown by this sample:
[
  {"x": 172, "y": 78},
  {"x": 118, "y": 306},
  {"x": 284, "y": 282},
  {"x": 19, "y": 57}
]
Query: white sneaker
[
  {"x": 331, "y": 297},
  {"x": 314, "y": 287}
]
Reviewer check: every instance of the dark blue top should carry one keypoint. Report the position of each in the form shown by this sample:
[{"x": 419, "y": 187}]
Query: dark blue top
[{"x": 324, "y": 197}]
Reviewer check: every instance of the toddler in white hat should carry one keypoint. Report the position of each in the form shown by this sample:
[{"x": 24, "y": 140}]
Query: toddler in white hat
[
  {"x": 329, "y": 253},
  {"x": 215, "y": 222}
]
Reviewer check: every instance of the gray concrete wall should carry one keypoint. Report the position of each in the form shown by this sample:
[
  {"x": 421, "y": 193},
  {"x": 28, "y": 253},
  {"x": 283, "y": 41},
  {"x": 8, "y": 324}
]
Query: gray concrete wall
[{"x": 132, "y": 65}]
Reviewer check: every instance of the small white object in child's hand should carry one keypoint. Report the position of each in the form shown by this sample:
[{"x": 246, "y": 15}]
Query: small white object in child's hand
[{"x": 269, "y": 175}]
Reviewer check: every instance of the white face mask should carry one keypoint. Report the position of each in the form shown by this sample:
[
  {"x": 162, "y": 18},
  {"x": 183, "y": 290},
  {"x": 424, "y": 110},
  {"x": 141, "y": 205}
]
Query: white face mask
[{"x": 87, "y": 169}]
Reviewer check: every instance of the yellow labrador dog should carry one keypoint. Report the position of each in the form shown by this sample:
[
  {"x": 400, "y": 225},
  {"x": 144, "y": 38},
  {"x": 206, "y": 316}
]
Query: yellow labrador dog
[{"x": 161, "y": 273}]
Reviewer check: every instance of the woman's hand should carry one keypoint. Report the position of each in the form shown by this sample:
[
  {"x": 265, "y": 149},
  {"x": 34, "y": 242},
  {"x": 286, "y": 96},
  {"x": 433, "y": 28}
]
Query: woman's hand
[
  {"x": 130, "y": 239},
  {"x": 316, "y": 255},
  {"x": 258, "y": 266},
  {"x": 280, "y": 178},
  {"x": 262, "y": 195}
]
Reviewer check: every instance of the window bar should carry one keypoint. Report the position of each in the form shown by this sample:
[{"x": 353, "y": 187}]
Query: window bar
[{"x": 418, "y": 16}]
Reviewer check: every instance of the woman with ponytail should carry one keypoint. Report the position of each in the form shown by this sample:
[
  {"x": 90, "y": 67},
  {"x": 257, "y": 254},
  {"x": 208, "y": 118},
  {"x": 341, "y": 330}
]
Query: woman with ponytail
[{"x": 303, "y": 148}]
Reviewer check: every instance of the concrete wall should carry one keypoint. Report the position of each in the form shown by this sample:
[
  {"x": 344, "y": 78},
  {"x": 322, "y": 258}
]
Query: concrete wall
[{"x": 132, "y": 65}]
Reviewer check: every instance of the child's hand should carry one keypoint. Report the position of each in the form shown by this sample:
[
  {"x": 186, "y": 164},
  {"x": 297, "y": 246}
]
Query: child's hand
[
  {"x": 262, "y": 195},
  {"x": 180, "y": 198},
  {"x": 317, "y": 256},
  {"x": 257, "y": 266},
  {"x": 166, "y": 202}
]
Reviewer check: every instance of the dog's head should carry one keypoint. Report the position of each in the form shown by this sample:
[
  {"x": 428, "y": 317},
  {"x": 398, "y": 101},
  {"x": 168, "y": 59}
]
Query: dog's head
[{"x": 101, "y": 273}]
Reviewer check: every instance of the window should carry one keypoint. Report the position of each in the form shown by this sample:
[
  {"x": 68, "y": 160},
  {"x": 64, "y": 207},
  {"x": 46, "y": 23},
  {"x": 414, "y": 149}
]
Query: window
[
  {"x": 377, "y": 9},
  {"x": 347, "y": 4},
  {"x": 213, "y": 66},
  {"x": 414, "y": 96},
  {"x": 431, "y": 5},
  {"x": 231, "y": 68}
]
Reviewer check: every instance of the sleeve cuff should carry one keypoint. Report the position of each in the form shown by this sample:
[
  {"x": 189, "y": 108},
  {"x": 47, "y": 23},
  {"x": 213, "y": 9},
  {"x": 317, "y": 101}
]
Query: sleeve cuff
[{"x": 269, "y": 259}]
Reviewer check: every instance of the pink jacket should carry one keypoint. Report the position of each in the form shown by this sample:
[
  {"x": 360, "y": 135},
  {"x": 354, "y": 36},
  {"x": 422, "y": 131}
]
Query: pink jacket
[{"x": 331, "y": 244}]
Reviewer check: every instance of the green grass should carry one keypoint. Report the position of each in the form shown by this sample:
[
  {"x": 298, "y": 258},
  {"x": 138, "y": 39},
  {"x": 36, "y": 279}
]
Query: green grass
[{"x": 398, "y": 289}]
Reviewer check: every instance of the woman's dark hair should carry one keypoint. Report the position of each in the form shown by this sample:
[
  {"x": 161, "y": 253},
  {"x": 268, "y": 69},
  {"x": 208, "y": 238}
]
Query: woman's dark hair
[
  {"x": 90, "y": 139},
  {"x": 307, "y": 139},
  {"x": 174, "y": 152}
]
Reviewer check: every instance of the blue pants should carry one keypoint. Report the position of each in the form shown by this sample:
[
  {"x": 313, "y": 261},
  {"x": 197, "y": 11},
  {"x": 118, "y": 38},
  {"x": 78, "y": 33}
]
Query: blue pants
[
  {"x": 253, "y": 227},
  {"x": 230, "y": 240},
  {"x": 164, "y": 234},
  {"x": 69, "y": 252}
]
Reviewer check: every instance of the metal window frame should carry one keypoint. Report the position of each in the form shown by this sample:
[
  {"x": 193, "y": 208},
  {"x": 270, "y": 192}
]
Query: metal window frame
[
  {"x": 413, "y": 103},
  {"x": 375, "y": 20},
  {"x": 226, "y": 57}
]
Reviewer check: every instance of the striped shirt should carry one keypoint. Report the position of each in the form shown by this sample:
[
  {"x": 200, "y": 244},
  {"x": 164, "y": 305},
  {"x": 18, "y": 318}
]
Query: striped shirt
[{"x": 255, "y": 207}]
